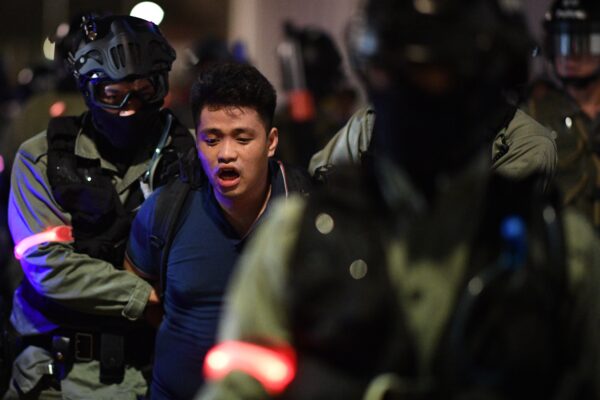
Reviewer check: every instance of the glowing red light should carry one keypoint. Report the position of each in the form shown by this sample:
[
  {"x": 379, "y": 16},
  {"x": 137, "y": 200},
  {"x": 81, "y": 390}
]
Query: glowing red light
[
  {"x": 274, "y": 368},
  {"x": 1, "y": 164},
  {"x": 57, "y": 109},
  {"x": 59, "y": 234}
]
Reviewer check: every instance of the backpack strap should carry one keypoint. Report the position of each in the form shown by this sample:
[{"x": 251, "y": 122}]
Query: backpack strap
[
  {"x": 169, "y": 207},
  {"x": 295, "y": 179}
]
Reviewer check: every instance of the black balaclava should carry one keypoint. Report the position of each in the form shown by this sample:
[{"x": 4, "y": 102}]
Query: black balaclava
[
  {"x": 427, "y": 134},
  {"x": 127, "y": 132}
]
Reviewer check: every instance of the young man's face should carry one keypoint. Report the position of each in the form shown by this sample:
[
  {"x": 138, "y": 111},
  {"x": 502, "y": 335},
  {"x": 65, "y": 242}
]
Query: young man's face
[{"x": 234, "y": 148}]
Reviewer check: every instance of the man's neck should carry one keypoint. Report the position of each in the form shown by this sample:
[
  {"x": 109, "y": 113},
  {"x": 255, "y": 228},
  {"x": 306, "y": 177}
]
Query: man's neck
[
  {"x": 588, "y": 98},
  {"x": 243, "y": 213}
]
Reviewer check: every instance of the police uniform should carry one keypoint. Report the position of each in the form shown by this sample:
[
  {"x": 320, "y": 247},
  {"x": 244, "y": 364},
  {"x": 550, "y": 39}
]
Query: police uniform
[
  {"x": 577, "y": 140},
  {"x": 71, "y": 280},
  {"x": 426, "y": 263},
  {"x": 518, "y": 149}
]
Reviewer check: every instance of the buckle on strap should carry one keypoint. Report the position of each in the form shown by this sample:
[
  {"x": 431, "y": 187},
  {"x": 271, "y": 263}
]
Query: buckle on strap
[{"x": 84, "y": 346}]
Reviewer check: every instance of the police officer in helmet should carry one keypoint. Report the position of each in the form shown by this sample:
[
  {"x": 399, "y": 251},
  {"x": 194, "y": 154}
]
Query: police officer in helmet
[
  {"x": 80, "y": 317},
  {"x": 423, "y": 275},
  {"x": 519, "y": 144},
  {"x": 569, "y": 103}
]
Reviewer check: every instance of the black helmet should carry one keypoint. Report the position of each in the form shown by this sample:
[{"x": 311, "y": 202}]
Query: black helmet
[
  {"x": 572, "y": 27},
  {"x": 475, "y": 39},
  {"x": 321, "y": 59},
  {"x": 116, "y": 48}
]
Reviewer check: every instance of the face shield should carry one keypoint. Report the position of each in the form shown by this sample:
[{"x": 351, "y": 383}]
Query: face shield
[{"x": 575, "y": 44}]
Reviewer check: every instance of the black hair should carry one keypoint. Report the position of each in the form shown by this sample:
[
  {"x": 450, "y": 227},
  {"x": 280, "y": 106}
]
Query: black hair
[{"x": 233, "y": 85}]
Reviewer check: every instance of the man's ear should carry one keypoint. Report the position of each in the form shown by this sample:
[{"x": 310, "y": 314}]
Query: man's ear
[{"x": 272, "y": 141}]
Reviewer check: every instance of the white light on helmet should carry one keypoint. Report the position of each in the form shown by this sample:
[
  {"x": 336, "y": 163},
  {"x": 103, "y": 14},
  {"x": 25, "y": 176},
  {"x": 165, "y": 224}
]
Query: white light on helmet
[{"x": 149, "y": 11}]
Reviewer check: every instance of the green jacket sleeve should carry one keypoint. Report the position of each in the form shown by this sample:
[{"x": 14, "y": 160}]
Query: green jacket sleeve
[
  {"x": 531, "y": 149},
  {"x": 583, "y": 261},
  {"x": 347, "y": 145},
  {"x": 73, "y": 280}
]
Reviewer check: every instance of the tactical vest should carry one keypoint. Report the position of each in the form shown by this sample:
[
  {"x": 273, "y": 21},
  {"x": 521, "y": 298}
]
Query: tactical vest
[
  {"x": 100, "y": 221},
  {"x": 505, "y": 339}
]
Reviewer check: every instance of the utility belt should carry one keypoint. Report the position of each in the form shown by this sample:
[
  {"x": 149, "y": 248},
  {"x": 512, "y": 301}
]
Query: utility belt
[{"x": 113, "y": 350}]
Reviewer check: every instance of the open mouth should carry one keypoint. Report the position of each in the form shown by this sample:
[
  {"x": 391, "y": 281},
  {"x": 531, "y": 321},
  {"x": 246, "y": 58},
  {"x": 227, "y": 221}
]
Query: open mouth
[{"x": 228, "y": 174}]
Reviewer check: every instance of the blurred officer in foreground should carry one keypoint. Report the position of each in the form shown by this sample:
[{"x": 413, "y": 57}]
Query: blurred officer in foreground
[
  {"x": 74, "y": 191},
  {"x": 570, "y": 104},
  {"x": 519, "y": 145},
  {"x": 423, "y": 275}
]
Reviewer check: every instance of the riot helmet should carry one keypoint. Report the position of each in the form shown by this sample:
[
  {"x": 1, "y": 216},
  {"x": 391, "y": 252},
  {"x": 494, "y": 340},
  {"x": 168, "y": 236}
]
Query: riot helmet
[
  {"x": 572, "y": 34},
  {"x": 321, "y": 59},
  {"x": 435, "y": 71},
  {"x": 121, "y": 65},
  {"x": 118, "y": 48}
]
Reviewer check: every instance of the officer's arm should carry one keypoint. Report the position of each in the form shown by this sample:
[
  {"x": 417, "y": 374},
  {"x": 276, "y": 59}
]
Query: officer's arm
[
  {"x": 54, "y": 269},
  {"x": 531, "y": 149},
  {"x": 347, "y": 145},
  {"x": 256, "y": 306},
  {"x": 583, "y": 262}
]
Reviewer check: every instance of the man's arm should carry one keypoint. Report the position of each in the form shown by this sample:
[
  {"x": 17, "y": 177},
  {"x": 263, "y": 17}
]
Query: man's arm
[{"x": 55, "y": 270}]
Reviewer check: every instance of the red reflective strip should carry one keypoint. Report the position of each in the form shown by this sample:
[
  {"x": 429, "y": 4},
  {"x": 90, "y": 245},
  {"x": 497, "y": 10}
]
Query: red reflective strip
[
  {"x": 274, "y": 368},
  {"x": 59, "y": 234}
]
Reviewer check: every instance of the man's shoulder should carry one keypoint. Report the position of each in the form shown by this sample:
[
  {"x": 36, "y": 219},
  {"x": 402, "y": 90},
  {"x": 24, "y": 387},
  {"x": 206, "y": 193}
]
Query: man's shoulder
[{"x": 34, "y": 148}]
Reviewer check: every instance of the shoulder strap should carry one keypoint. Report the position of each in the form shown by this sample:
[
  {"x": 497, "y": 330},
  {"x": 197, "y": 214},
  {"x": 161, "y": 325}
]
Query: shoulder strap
[
  {"x": 295, "y": 179},
  {"x": 169, "y": 206}
]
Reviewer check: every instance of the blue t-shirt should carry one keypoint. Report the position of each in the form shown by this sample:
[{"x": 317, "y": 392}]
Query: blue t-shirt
[
  {"x": 202, "y": 256},
  {"x": 201, "y": 259}
]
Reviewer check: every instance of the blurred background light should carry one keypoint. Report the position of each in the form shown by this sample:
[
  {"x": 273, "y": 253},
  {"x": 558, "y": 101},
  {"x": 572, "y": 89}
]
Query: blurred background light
[
  {"x": 48, "y": 48},
  {"x": 25, "y": 76},
  {"x": 149, "y": 11}
]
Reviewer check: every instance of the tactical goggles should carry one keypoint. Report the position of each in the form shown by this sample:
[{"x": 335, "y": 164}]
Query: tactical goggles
[{"x": 116, "y": 95}]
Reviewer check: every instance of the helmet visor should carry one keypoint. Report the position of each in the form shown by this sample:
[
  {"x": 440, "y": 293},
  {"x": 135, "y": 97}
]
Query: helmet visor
[
  {"x": 576, "y": 44},
  {"x": 116, "y": 95}
]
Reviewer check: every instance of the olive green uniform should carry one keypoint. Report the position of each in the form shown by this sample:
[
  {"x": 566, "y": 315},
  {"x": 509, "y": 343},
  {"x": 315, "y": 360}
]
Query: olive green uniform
[
  {"x": 257, "y": 308},
  {"x": 73, "y": 280},
  {"x": 530, "y": 146},
  {"x": 578, "y": 144}
]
